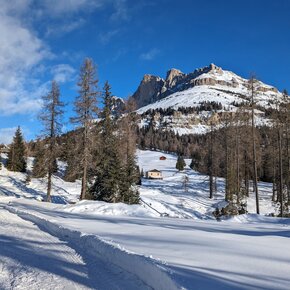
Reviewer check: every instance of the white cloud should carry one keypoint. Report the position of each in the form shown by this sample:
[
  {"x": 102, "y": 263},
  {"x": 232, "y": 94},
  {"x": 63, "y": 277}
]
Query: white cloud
[
  {"x": 63, "y": 73},
  {"x": 121, "y": 10},
  {"x": 23, "y": 52},
  {"x": 20, "y": 51},
  {"x": 60, "y": 7},
  {"x": 107, "y": 36},
  {"x": 6, "y": 134},
  {"x": 65, "y": 27},
  {"x": 150, "y": 55}
]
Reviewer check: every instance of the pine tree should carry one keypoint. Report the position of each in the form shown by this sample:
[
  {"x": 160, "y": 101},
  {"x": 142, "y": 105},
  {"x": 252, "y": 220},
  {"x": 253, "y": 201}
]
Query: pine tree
[
  {"x": 39, "y": 169},
  {"x": 116, "y": 172},
  {"x": 85, "y": 109},
  {"x": 180, "y": 164},
  {"x": 50, "y": 116},
  {"x": 72, "y": 156},
  {"x": 107, "y": 186},
  {"x": 16, "y": 156}
]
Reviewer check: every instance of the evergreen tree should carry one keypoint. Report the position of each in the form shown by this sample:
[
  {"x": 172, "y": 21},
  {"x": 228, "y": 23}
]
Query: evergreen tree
[
  {"x": 107, "y": 186},
  {"x": 72, "y": 156},
  {"x": 116, "y": 171},
  {"x": 39, "y": 169},
  {"x": 196, "y": 160},
  {"x": 180, "y": 164},
  {"x": 16, "y": 156}
]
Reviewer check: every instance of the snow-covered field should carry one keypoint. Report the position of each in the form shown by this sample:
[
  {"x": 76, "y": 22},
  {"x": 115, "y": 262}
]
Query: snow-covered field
[{"x": 170, "y": 241}]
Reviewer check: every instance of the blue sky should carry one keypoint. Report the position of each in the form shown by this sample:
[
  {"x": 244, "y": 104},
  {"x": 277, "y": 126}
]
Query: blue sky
[{"x": 48, "y": 39}]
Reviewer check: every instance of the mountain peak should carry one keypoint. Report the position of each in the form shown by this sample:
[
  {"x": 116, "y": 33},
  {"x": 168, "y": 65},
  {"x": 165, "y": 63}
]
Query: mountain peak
[
  {"x": 172, "y": 76},
  {"x": 212, "y": 66}
]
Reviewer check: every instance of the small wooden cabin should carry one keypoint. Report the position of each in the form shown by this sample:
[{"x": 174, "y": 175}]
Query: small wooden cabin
[{"x": 154, "y": 174}]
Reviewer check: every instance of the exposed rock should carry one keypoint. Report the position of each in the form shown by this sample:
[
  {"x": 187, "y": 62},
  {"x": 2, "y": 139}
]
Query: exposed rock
[
  {"x": 148, "y": 90},
  {"x": 266, "y": 89},
  {"x": 205, "y": 81},
  {"x": 118, "y": 106},
  {"x": 173, "y": 76}
]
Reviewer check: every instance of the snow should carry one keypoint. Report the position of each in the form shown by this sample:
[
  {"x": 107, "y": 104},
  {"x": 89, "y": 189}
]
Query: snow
[
  {"x": 191, "y": 98},
  {"x": 170, "y": 241},
  {"x": 219, "y": 93},
  {"x": 34, "y": 259}
]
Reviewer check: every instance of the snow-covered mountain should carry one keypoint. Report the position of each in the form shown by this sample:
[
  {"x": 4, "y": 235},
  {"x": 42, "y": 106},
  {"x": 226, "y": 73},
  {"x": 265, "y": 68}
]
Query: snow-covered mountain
[{"x": 188, "y": 103}]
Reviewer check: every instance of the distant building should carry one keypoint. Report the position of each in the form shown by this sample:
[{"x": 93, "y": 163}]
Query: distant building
[
  {"x": 162, "y": 158},
  {"x": 154, "y": 174}
]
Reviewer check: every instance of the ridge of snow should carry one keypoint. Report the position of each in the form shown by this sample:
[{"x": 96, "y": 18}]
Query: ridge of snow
[{"x": 148, "y": 270}]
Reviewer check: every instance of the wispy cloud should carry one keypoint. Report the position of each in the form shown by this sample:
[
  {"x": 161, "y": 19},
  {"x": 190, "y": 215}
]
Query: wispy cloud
[
  {"x": 6, "y": 134},
  {"x": 20, "y": 51},
  {"x": 60, "y": 7},
  {"x": 121, "y": 10},
  {"x": 150, "y": 55},
  {"x": 106, "y": 37},
  {"x": 63, "y": 73},
  {"x": 23, "y": 51},
  {"x": 65, "y": 27}
]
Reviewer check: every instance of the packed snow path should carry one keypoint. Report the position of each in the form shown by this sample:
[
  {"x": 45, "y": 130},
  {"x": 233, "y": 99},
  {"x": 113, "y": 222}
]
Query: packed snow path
[{"x": 32, "y": 259}]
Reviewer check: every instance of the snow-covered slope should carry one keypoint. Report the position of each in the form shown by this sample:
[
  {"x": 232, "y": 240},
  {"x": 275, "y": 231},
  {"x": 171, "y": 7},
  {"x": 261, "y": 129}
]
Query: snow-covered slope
[
  {"x": 168, "y": 242},
  {"x": 159, "y": 197},
  {"x": 213, "y": 85}
]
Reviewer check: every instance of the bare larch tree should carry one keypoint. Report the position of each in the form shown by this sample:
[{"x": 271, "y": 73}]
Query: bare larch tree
[
  {"x": 252, "y": 89},
  {"x": 85, "y": 107},
  {"x": 51, "y": 115}
]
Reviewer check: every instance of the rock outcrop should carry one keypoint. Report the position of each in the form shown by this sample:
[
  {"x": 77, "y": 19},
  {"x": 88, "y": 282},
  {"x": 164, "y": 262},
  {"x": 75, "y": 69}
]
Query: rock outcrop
[{"x": 149, "y": 90}]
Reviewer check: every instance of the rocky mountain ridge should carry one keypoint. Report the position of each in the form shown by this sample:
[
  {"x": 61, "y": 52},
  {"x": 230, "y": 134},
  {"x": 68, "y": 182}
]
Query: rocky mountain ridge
[
  {"x": 154, "y": 88},
  {"x": 189, "y": 103}
]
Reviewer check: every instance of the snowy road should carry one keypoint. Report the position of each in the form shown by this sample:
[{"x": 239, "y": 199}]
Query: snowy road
[{"x": 32, "y": 259}]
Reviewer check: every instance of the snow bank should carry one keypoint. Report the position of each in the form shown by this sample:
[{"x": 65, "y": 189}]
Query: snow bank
[
  {"x": 105, "y": 208},
  {"x": 151, "y": 272}
]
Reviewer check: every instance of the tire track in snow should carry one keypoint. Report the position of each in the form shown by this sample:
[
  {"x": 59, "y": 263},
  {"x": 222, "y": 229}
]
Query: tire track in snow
[{"x": 33, "y": 259}]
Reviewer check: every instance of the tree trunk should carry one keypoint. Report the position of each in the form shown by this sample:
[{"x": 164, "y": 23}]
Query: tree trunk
[
  {"x": 48, "y": 195},
  {"x": 238, "y": 165},
  {"x": 288, "y": 165},
  {"x": 211, "y": 185},
  {"x": 281, "y": 173},
  {"x": 85, "y": 163},
  {"x": 274, "y": 188},
  {"x": 255, "y": 177},
  {"x": 84, "y": 184}
]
